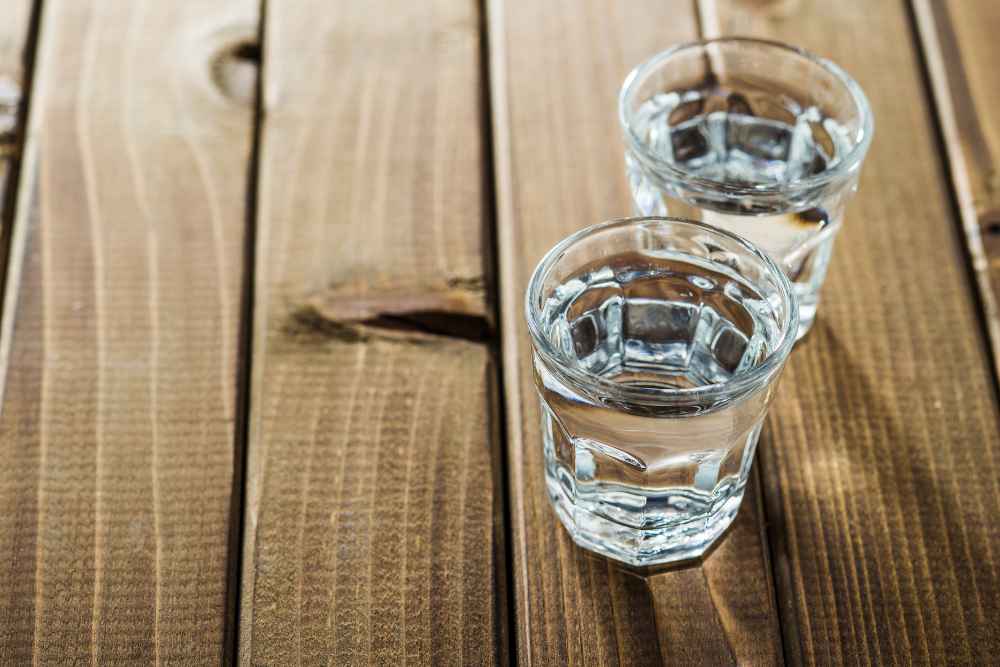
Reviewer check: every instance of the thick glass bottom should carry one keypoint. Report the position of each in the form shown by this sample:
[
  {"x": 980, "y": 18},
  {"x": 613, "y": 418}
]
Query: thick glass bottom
[{"x": 642, "y": 546}]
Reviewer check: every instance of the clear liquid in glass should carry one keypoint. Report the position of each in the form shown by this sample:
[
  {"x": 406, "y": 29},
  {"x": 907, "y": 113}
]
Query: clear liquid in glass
[
  {"x": 747, "y": 140},
  {"x": 637, "y": 481}
]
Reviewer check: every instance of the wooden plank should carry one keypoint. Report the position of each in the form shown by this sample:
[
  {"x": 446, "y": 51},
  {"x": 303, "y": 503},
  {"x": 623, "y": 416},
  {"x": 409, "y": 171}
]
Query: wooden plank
[
  {"x": 373, "y": 524},
  {"x": 556, "y": 68},
  {"x": 13, "y": 41},
  {"x": 959, "y": 51},
  {"x": 120, "y": 338},
  {"x": 881, "y": 468}
]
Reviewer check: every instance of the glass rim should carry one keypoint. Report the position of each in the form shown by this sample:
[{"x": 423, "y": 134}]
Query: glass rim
[
  {"x": 850, "y": 162},
  {"x": 582, "y": 379}
]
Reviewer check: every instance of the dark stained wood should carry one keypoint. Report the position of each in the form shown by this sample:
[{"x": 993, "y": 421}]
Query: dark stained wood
[
  {"x": 880, "y": 463},
  {"x": 373, "y": 527},
  {"x": 119, "y": 353},
  {"x": 555, "y": 70},
  {"x": 960, "y": 50}
]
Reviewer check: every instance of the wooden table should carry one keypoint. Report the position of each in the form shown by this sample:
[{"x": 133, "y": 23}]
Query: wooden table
[{"x": 264, "y": 378}]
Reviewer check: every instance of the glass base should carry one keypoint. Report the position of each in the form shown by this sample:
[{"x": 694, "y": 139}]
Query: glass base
[{"x": 642, "y": 546}]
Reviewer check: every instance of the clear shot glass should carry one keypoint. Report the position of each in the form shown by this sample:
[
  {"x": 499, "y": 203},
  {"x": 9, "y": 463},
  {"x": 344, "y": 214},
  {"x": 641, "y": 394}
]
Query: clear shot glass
[
  {"x": 756, "y": 137},
  {"x": 657, "y": 345}
]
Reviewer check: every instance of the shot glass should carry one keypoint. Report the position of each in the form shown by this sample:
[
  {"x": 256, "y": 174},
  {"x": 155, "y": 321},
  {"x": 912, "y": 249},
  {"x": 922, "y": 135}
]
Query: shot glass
[
  {"x": 657, "y": 345},
  {"x": 757, "y": 137}
]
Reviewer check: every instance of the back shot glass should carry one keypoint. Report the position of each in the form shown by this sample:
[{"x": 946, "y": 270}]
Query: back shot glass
[
  {"x": 657, "y": 345},
  {"x": 756, "y": 137}
]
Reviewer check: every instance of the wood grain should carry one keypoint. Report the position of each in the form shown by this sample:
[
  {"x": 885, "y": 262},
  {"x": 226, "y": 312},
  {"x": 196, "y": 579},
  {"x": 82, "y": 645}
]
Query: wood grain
[
  {"x": 959, "y": 48},
  {"x": 555, "y": 70},
  {"x": 880, "y": 466},
  {"x": 373, "y": 525},
  {"x": 119, "y": 339}
]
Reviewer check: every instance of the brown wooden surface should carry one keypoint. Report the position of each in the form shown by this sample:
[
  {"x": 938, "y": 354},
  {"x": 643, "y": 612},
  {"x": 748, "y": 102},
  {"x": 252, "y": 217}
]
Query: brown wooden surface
[
  {"x": 13, "y": 41},
  {"x": 373, "y": 529},
  {"x": 116, "y": 429},
  {"x": 880, "y": 460},
  {"x": 960, "y": 51},
  {"x": 556, "y": 69}
]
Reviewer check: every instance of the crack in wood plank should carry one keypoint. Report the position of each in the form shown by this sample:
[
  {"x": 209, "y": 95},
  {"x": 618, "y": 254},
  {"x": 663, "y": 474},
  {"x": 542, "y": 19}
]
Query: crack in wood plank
[{"x": 371, "y": 526}]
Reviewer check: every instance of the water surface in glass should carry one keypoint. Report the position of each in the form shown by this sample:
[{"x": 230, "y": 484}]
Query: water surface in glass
[{"x": 755, "y": 137}]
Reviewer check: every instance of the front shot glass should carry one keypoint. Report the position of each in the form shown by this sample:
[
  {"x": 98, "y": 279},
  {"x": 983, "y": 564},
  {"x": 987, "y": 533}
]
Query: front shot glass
[
  {"x": 657, "y": 345},
  {"x": 756, "y": 137}
]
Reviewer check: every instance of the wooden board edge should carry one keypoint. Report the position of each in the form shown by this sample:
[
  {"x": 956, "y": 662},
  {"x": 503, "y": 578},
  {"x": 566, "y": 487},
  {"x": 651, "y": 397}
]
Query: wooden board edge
[
  {"x": 22, "y": 173},
  {"x": 928, "y": 16},
  {"x": 509, "y": 310}
]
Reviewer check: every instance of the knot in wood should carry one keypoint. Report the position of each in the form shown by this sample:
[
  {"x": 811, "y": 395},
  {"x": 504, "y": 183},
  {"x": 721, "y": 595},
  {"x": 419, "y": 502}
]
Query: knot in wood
[{"x": 235, "y": 69}]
